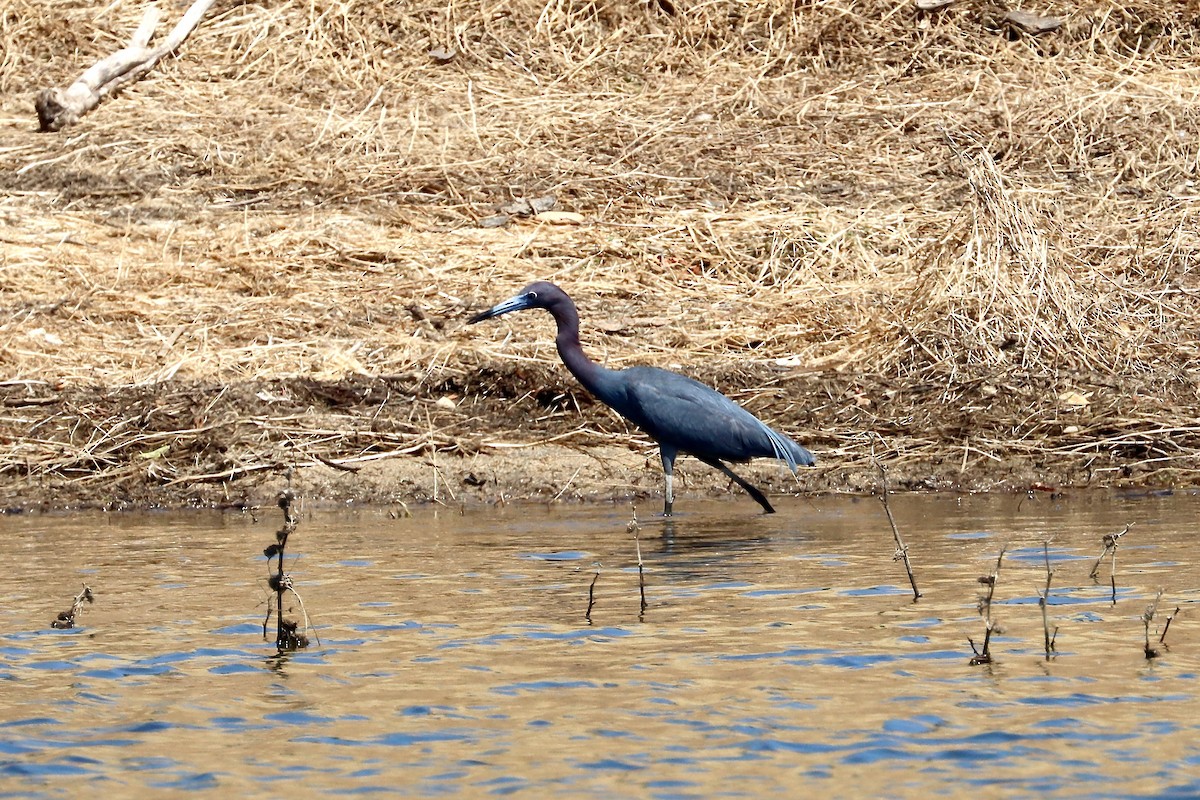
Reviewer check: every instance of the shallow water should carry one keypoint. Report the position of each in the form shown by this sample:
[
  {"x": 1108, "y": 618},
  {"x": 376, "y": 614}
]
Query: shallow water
[{"x": 778, "y": 655}]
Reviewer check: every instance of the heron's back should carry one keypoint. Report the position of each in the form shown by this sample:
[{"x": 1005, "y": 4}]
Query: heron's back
[{"x": 694, "y": 418}]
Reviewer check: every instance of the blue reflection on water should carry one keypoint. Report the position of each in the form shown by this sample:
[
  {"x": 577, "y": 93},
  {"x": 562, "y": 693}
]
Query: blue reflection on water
[
  {"x": 566, "y": 555},
  {"x": 513, "y": 689}
]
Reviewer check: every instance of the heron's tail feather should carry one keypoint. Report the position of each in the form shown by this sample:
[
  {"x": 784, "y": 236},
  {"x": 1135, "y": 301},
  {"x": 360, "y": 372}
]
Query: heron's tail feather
[{"x": 789, "y": 452}]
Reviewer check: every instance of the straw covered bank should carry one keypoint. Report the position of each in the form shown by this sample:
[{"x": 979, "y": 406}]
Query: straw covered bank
[{"x": 951, "y": 238}]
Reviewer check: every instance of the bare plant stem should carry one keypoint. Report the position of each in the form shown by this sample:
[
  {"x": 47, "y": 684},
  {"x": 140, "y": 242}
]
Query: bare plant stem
[
  {"x": 1147, "y": 618},
  {"x": 1110, "y": 548},
  {"x": 1163, "y": 636},
  {"x": 287, "y": 635},
  {"x": 901, "y": 548},
  {"x": 1044, "y": 602},
  {"x": 634, "y": 528},
  {"x": 281, "y": 581},
  {"x": 984, "y": 655},
  {"x": 591, "y": 597},
  {"x": 66, "y": 619}
]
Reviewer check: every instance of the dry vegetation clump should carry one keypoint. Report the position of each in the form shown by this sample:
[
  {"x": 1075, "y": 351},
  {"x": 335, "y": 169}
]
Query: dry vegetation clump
[{"x": 855, "y": 217}]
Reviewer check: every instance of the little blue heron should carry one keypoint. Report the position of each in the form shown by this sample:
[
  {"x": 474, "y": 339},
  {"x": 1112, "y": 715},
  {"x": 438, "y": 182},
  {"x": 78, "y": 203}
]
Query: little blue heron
[{"x": 681, "y": 414}]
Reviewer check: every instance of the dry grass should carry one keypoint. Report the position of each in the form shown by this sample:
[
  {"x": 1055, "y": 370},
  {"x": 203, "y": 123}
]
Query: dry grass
[{"x": 888, "y": 220}]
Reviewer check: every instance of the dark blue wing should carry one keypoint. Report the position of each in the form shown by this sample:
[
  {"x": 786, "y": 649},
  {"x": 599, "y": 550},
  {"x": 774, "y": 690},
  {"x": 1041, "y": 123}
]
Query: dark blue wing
[{"x": 699, "y": 420}]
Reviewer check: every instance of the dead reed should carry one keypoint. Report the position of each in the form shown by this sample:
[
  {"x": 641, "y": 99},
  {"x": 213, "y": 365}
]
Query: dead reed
[
  {"x": 1147, "y": 618},
  {"x": 1162, "y": 637},
  {"x": 288, "y": 635},
  {"x": 901, "y": 553},
  {"x": 983, "y": 654},
  {"x": 587, "y": 615},
  {"x": 66, "y": 619},
  {"x": 636, "y": 529},
  {"x": 1110, "y": 541},
  {"x": 1048, "y": 637}
]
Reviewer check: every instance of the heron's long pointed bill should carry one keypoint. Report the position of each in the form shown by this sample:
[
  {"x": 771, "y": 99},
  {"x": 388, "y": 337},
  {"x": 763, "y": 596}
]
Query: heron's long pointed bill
[{"x": 517, "y": 303}]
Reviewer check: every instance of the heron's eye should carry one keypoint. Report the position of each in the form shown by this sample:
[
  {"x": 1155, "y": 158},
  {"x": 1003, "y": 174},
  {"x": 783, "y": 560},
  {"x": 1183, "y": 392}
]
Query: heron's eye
[{"x": 532, "y": 295}]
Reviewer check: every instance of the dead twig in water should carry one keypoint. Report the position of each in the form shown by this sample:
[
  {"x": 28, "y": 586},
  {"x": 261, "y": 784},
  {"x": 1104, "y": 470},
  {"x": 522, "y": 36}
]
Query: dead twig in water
[
  {"x": 287, "y": 633},
  {"x": 634, "y": 528},
  {"x": 901, "y": 548},
  {"x": 591, "y": 597},
  {"x": 66, "y": 619},
  {"x": 1162, "y": 637},
  {"x": 984, "y": 654},
  {"x": 1147, "y": 618},
  {"x": 1044, "y": 601},
  {"x": 1110, "y": 547}
]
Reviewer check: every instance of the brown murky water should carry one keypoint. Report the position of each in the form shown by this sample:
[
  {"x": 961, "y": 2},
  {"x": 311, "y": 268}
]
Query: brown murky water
[{"x": 778, "y": 655}]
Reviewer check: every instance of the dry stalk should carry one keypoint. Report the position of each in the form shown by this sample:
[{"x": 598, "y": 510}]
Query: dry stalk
[
  {"x": 288, "y": 635},
  {"x": 983, "y": 655},
  {"x": 66, "y": 619},
  {"x": 1048, "y": 637},
  {"x": 1162, "y": 637},
  {"x": 634, "y": 528},
  {"x": 1147, "y": 618},
  {"x": 901, "y": 553},
  {"x": 1110, "y": 541},
  {"x": 591, "y": 597}
]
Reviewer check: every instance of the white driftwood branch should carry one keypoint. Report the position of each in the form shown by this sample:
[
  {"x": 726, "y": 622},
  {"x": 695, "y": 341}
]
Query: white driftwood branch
[{"x": 58, "y": 108}]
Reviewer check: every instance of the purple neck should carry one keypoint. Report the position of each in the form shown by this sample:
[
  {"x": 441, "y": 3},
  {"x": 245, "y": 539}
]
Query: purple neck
[
  {"x": 595, "y": 378},
  {"x": 567, "y": 341}
]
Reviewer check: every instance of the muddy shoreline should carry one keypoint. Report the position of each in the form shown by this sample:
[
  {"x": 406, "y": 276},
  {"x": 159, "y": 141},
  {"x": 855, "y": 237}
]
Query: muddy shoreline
[{"x": 484, "y": 437}]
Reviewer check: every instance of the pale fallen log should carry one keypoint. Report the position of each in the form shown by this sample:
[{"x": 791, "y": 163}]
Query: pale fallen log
[{"x": 58, "y": 108}]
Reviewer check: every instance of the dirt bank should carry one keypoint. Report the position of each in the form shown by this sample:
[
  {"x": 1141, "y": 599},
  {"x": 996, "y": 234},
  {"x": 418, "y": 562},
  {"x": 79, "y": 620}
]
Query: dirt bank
[
  {"x": 925, "y": 236},
  {"x": 489, "y": 438}
]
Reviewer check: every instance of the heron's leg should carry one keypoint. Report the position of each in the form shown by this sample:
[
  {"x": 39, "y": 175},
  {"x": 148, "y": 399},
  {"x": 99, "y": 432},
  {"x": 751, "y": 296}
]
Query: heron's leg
[
  {"x": 668, "y": 461},
  {"x": 758, "y": 496}
]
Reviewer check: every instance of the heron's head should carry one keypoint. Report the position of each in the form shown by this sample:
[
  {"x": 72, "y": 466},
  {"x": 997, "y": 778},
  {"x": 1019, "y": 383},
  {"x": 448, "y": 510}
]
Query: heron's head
[{"x": 536, "y": 295}]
